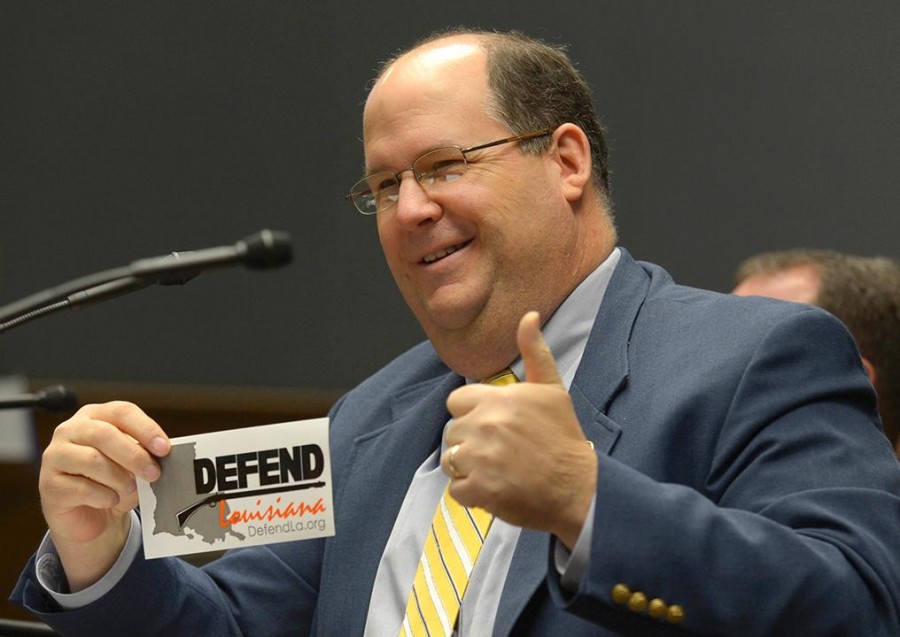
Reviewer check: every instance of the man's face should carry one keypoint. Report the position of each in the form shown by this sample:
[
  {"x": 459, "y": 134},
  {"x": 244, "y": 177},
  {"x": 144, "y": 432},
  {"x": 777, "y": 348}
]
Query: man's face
[
  {"x": 472, "y": 259},
  {"x": 799, "y": 284}
]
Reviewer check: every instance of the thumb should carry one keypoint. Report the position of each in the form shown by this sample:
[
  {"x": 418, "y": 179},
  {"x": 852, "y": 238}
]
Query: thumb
[{"x": 540, "y": 366}]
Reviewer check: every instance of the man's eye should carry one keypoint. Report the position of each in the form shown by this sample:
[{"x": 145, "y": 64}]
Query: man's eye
[
  {"x": 444, "y": 171},
  {"x": 384, "y": 184},
  {"x": 448, "y": 165}
]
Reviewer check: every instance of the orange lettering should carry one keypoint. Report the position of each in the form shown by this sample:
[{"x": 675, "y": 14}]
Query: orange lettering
[{"x": 270, "y": 513}]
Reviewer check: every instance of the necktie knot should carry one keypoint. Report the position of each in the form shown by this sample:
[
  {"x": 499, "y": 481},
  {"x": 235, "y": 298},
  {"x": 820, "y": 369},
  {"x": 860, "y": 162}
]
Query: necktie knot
[{"x": 506, "y": 377}]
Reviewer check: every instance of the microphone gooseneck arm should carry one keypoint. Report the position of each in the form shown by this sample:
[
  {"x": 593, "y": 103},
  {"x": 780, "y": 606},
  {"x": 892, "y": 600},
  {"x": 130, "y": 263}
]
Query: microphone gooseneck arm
[{"x": 266, "y": 249}]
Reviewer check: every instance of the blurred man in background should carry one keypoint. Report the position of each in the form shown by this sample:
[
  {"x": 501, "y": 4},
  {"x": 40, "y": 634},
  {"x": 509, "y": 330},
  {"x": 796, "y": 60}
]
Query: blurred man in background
[{"x": 863, "y": 292}]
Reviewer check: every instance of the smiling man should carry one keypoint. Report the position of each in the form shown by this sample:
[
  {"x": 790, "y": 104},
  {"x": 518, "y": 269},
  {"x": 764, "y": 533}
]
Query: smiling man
[
  {"x": 518, "y": 233},
  {"x": 669, "y": 459}
]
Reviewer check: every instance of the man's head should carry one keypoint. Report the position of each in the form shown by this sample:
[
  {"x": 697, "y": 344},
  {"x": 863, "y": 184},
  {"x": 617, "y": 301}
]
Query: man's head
[
  {"x": 797, "y": 282},
  {"x": 864, "y": 293},
  {"x": 477, "y": 242}
]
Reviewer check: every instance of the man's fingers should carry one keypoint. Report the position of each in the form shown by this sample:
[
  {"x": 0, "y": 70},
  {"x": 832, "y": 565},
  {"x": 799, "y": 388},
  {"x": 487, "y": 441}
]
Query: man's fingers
[
  {"x": 100, "y": 441},
  {"x": 94, "y": 464},
  {"x": 106, "y": 446},
  {"x": 131, "y": 419},
  {"x": 73, "y": 490},
  {"x": 540, "y": 366},
  {"x": 464, "y": 399}
]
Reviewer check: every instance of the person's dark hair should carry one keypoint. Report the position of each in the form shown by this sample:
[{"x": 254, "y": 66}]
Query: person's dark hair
[
  {"x": 864, "y": 293},
  {"x": 535, "y": 86}
]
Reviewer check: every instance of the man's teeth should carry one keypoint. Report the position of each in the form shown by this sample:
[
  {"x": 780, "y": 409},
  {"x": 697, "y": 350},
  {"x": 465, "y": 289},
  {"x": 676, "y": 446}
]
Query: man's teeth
[{"x": 431, "y": 258}]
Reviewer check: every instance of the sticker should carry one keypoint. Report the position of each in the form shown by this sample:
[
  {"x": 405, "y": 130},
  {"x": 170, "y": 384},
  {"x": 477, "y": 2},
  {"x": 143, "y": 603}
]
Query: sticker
[{"x": 242, "y": 487}]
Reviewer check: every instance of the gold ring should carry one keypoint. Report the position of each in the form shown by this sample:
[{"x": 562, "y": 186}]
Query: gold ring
[{"x": 451, "y": 455}]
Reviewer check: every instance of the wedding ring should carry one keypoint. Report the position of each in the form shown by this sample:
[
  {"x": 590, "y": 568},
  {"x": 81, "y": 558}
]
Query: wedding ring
[{"x": 451, "y": 456}]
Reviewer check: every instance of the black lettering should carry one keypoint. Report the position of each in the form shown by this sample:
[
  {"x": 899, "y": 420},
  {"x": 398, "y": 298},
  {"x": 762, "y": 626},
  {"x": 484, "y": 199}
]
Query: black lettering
[
  {"x": 204, "y": 475},
  {"x": 246, "y": 464},
  {"x": 313, "y": 462},
  {"x": 290, "y": 464},
  {"x": 273, "y": 466},
  {"x": 268, "y": 467},
  {"x": 224, "y": 471}
]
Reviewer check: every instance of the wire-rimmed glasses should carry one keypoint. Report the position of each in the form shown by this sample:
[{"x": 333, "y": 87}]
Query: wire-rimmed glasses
[{"x": 435, "y": 169}]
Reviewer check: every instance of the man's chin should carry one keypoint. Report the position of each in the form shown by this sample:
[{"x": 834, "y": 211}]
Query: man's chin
[
  {"x": 449, "y": 308},
  {"x": 446, "y": 319}
]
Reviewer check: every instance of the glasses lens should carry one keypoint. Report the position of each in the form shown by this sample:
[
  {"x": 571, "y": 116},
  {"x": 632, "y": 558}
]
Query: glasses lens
[
  {"x": 375, "y": 192},
  {"x": 440, "y": 166}
]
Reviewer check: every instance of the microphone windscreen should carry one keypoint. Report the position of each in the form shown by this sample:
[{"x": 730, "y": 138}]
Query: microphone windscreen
[
  {"x": 268, "y": 249},
  {"x": 58, "y": 398}
]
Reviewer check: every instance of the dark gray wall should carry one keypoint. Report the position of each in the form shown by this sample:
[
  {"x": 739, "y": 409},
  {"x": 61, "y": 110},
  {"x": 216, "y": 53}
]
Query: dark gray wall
[{"x": 133, "y": 129}]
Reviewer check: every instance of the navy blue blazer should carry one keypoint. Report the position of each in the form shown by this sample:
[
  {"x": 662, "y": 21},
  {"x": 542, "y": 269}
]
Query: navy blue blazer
[{"x": 743, "y": 476}]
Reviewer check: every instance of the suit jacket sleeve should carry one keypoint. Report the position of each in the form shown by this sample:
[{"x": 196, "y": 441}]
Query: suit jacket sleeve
[
  {"x": 769, "y": 508},
  {"x": 244, "y": 593}
]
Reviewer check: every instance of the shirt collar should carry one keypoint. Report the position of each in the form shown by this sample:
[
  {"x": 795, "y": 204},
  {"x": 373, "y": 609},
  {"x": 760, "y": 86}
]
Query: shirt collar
[{"x": 568, "y": 329}]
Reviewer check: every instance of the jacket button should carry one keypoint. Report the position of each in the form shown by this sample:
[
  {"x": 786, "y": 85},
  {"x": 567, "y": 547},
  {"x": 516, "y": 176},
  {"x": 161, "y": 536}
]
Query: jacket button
[
  {"x": 657, "y": 608},
  {"x": 675, "y": 614},
  {"x": 637, "y": 602},
  {"x": 621, "y": 594}
]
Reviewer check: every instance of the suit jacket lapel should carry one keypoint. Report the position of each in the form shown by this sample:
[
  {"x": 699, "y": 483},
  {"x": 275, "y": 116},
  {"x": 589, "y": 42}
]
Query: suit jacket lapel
[
  {"x": 604, "y": 367},
  {"x": 602, "y": 373},
  {"x": 382, "y": 465}
]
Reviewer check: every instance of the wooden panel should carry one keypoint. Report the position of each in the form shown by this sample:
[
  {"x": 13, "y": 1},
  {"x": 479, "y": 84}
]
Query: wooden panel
[{"x": 181, "y": 410}]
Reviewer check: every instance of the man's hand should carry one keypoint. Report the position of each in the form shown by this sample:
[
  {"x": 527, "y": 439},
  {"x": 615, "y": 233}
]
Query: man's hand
[
  {"x": 88, "y": 487},
  {"x": 521, "y": 452}
]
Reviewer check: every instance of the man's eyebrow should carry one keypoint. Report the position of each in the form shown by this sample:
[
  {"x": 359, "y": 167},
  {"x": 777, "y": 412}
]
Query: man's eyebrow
[
  {"x": 376, "y": 171},
  {"x": 380, "y": 168}
]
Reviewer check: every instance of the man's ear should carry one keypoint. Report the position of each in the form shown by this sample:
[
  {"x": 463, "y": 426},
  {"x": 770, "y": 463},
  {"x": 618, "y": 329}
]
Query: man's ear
[
  {"x": 573, "y": 154},
  {"x": 870, "y": 370}
]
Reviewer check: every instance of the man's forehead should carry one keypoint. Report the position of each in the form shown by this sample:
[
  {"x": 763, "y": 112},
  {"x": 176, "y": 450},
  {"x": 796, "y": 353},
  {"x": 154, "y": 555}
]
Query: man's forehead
[
  {"x": 440, "y": 82},
  {"x": 798, "y": 283},
  {"x": 446, "y": 52},
  {"x": 432, "y": 57}
]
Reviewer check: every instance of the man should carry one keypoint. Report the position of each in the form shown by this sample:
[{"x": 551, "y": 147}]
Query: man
[
  {"x": 863, "y": 292},
  {"x": 712, "y": 467}
]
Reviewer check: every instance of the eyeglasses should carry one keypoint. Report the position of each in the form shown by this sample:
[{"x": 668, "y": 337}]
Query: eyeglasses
[{"x": 434, "y": 170}]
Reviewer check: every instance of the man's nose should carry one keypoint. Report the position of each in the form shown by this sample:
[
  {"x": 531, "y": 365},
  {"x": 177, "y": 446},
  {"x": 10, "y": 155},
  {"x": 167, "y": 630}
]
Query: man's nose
[{"x": 414, "y": 205}]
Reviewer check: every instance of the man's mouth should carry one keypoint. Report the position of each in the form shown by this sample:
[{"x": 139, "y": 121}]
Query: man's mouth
[{"x": 445, "y": 252}]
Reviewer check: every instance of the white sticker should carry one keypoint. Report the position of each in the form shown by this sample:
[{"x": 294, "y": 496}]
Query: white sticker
[{"x": 241, "y": 487}]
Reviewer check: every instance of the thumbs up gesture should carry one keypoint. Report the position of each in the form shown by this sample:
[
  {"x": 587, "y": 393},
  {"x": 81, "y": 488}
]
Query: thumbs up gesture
[{"x": 518, "y": 450}]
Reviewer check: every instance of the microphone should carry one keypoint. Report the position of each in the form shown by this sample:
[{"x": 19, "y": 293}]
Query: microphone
[
  {"x": 55, "y": 398},
  {"x": 263, "y": 250}
]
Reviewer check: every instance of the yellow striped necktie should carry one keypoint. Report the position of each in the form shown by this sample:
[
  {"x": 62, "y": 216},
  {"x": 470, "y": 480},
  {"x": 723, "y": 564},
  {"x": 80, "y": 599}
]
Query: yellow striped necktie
[{"x": 451, "y": 548}]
